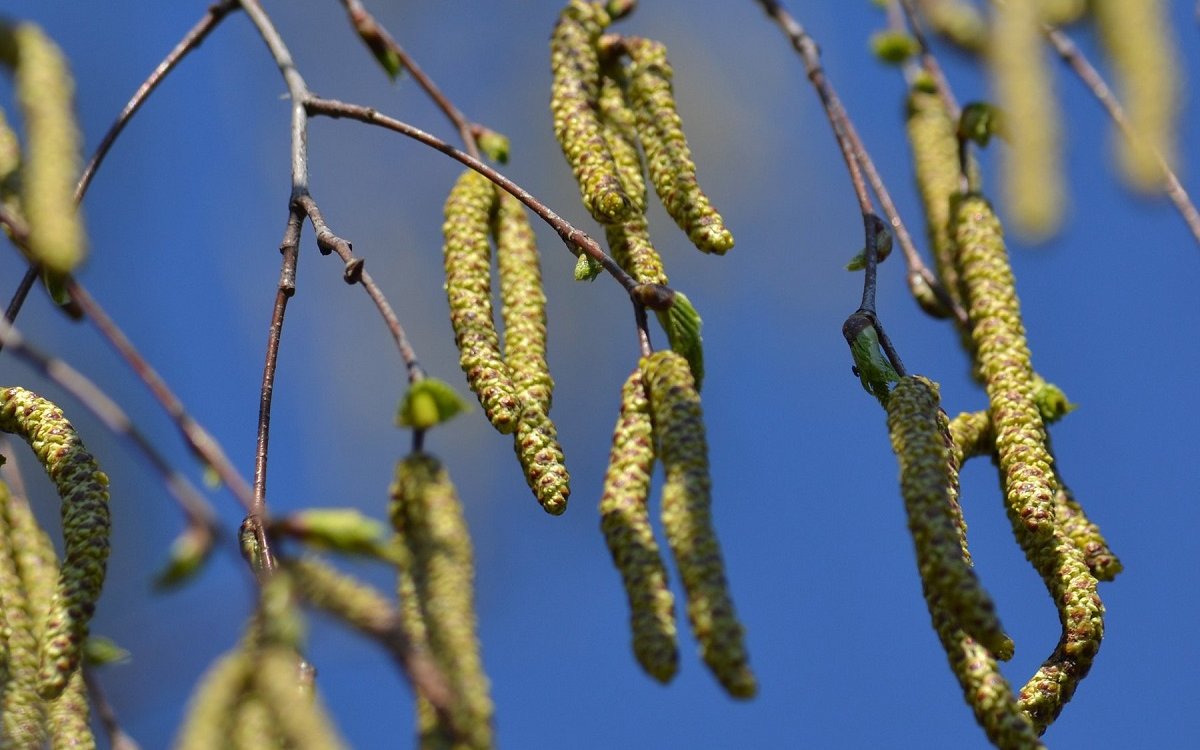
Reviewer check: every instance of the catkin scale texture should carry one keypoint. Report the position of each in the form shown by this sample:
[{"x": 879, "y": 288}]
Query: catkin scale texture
[
  {"x": 625, "y": 522},
  {"x": 668, "y": 157},
  {"x": 427, "y": 516},
  {"x": 687, "y": 519},
  {"x": 83, "y": 489},
  {"x": 929, "y": 484},
  {"x": 575, "y": 66},
  {"x": 22, "y": 711},
  {"x": 467, "y": 256}
]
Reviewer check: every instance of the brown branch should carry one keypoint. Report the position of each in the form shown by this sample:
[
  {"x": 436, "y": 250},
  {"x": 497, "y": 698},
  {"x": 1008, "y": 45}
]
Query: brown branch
[
  {"x": 19, "y": 296},
  {"x": 191, "y": 40},
  {"x": 1078, "y": 62}
]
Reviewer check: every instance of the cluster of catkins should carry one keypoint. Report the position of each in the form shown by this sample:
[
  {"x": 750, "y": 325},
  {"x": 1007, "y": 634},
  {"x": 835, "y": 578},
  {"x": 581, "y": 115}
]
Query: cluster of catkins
[
  {"x": 45, "y": 606},
  {"x": 1065, "y": 548}
]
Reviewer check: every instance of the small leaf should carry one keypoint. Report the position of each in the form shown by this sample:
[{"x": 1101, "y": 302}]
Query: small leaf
[
  {"x": 1051, "y": 402},
  {"x": 587, "y": 268},
  {"x": 340, "y": 529},
  {"x": 99, "y": 651},
  {"x": 428, "y": 403},
  {"x": 189, "y": 552},
  {"x": 870, "y": 364},
  {"x": 494, "y": 145},
  {"x": 682, "y": 325},
  {"x": 979, "y": 122}
]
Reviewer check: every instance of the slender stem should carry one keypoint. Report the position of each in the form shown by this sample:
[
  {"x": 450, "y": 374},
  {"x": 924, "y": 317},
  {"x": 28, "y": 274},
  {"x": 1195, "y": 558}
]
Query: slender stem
[
  {"x": 853, "y": 148},
  {"x": 466, "y": 130},
  {"x": 1078, "y": 62},
  {"x": 19, "y": 296},
  {"x": 643, "y": 329},
  {"x": 928, "y": 61},
  {"x": 193, "y": 39}
]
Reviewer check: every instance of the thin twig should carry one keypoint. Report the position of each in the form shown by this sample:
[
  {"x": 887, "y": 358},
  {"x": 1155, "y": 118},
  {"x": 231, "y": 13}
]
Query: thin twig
[
  {"x": 643, "y": 329},
  {"x": 466, "y": 129},
  {"x": 928, "y": 61},
  {"x": 1078, "y": 62},
  {"x": 117, "y": 738},
  {"x": 191, "y": 40},
  {"x": 19, "y": 296},
  {"x": 853, "y": 148}
]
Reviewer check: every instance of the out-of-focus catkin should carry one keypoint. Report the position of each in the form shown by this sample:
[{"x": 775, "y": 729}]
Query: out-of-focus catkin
[
  {"x": 212, "y": 708},
  {"x": 687, "y": 519},
  {"x": 625, "y": 521},
  {"x": 22, "y": 711}
]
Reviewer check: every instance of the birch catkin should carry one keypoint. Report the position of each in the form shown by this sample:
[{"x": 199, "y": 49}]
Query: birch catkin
[
  {"x": 22, "y": 711},
  {"x": 625, "y": 521},
  {"x": 687, "y": 519},
  {"x": 427, "y": 516},
  {"x": 213, "y": 706},
  {"x": 929, "y": 483},
  {"x": 469, "y": 289},
  {"x": 668, "y": 158},
  {"x": 575, "y": 65},
  {"x": 83, "y": 489}
]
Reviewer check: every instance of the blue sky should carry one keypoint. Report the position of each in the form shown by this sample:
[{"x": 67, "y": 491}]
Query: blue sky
[{"x": 185, "y": 220}]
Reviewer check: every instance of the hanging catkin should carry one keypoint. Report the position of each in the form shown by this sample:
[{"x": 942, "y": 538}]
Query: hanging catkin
[
  {"x": 625, "y": 521},
  {"x": 83, "y": 489},
  {"x": 467, "y": 255},
  {"x": 687, "y": 519},
  {"x": 22, "y": 711}
]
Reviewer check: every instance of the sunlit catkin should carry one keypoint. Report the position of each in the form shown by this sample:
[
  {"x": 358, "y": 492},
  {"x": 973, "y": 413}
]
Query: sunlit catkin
[
  {"x": 22, "y": 711},
  {"x": 618, "y": 125},
  {"x": 68, "y": 717},
  {"x": 1085, "y": 535},
  {"x": 575, "y": 66},
  {"x": 252, "y": 726},
  {"x": 1003, "y": 360},
  {"x": 929, "y": 484},
  {"x": 467, "y": 256},
  {"x": 687, "y": 519},
  {"x": 1063, "y": 12},
  {"x": 297, "y": 713},
  {"x": 1033, "y": 184},
  {"x": 958, "y": 21},
  {"x": 632, "y": 249},
  {"x": 1138, "y": 39},
  {"x": 668, "y": 157},
  {"x": 45, "y": 93},
  {"x": 83, "y": 489},
  {"x": 427, "y": 516},
  {"x": 625, "y": 521},
  {"x": 211, "y": 710}
]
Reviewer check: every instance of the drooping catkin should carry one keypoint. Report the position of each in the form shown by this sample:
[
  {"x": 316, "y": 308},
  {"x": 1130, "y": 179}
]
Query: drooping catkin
[
  {"x": 575, "y": 65},
  {"x": 467, "y": 255},
  {"x": 668, "y": 157},
  {"x": 929, "y": 484},
  {"x": 68, "y": 717},
  {"x": 252, "y": 727},
  {"x": 346, "y": 598},
  {"x": 631, "y": 247},
  {"x": 1138, "y": 39},
  {"x": 214, "y": 703},
  {"x": 1033, "y": 184},
  {"x": 83, "y": 489},
  {"x": 427, "y": 516},
  {"x": 1063, "y": 12},
  {"x": 45, "y": 93},
  {"x": 541, "y": 457},
  {"x": 1003, "y": 360},
  {"x": 10, "y": 167},
  {"x": 958, "y": 21},
  {"x": 22, "y": 711},
  {"x": 687, "y": 519},
  {"x": 618, "y": 125},
  {"x": 625, "y": 521},
  {"x": 432, "y": 732},
  {"x": 296, "y": 712}
]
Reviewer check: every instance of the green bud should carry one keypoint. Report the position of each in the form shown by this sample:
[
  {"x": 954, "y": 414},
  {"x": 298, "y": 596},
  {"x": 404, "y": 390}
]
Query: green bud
[
  {"x": 870, "y": 364},
  {"x": 587, "y": 268},
  {"x": 494, "y": 145},
  {"x": 979, "y": 121},
  {"x": 428, "y": 403},
  {"x": 682, "y": 325},
  {"x": 894, "y": 47},
  {"x": 189, "y": 552}
]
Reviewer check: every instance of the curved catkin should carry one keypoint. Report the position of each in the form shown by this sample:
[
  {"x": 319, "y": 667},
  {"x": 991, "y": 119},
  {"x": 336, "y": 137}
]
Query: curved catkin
[
  {"x": 632, "y": 249},
  {"x": 346, "y": 598},
  {"x": 1138, "y": 39},
  {"x": 213, "y": 706},
  {"x": 523, "y": 307},
  {"x": 83, "y": 489},
  {"x": 1033, "y": 188},
  {"x": 427, "y": 516},
  {"x": 68, "y": 718},
  {"x": 625, "y": 521},
  {"x": 929, "y": 484},
  {"x": 1085, "y": 535},
  {"x": 45, "y": 93},
  {"x": 932, "y": 134},
  {"x": 618, "y": 126},
  {"x": 1003, "y": 360},
  {"x": 668, "y": 158},
  {"x": 22, "y": 711},
  {"x": 467, "y": 255},
  {"x": 296, "y": 712},
  {"x": 575, "y": 66},
  {"x": 541, "y": 457},
  {"x": 687, "y": 519}
]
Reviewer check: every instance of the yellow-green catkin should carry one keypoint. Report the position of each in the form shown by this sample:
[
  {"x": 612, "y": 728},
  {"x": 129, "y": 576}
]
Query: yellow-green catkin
[
  {"x": 83, "y": 489},
  {"x": 625, "y": 521},
  {"x": 1003, "y": 359},
  {"x": 22, "y": 711},
  {"x": 1138, "y": 39},
  {"x": 687, "y": 519},
  {"x": 45, "y": 93},
  {"x": 618, "y": 125},
  {"x": 932, "y": 134},
  {"x": 252, "y": 727},
  {"x": 1063, "y": 12},
  {"x": 10, "y": 167},
  {"x": 524, "y": 310},
  {"x": 958, "y": 21},
  {"x": 1033, "y": 184},
  {"x": 668, "y": 157},
  {"x": 68, "y": 717},
  {"x": 575, "y": 66},
  {"x": 1086, "y": 535},
  {"x": 432, "y": 732},
  {"x": 428, "y": 519},
  {"x": 929, "y": 484},
  {"x": 353, "y": 602},
  {"x": 467, "y": 255},
  {"x": 214, "y": 704},
  {"x": 296, "y": 712}
]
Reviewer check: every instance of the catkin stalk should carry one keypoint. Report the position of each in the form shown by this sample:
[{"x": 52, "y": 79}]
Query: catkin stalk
[
  {"x": 467, "y": 257},
  {"x": 929, "y": 484},
  {"x": 427, "y": 516},
  {"x": 687, "y": 519},
  {"x": 45, "y": 93},
  {"x": 668, "y": 157},
  {"x": 625, "y": 521},
  {"x": 83, "y": 489}
]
